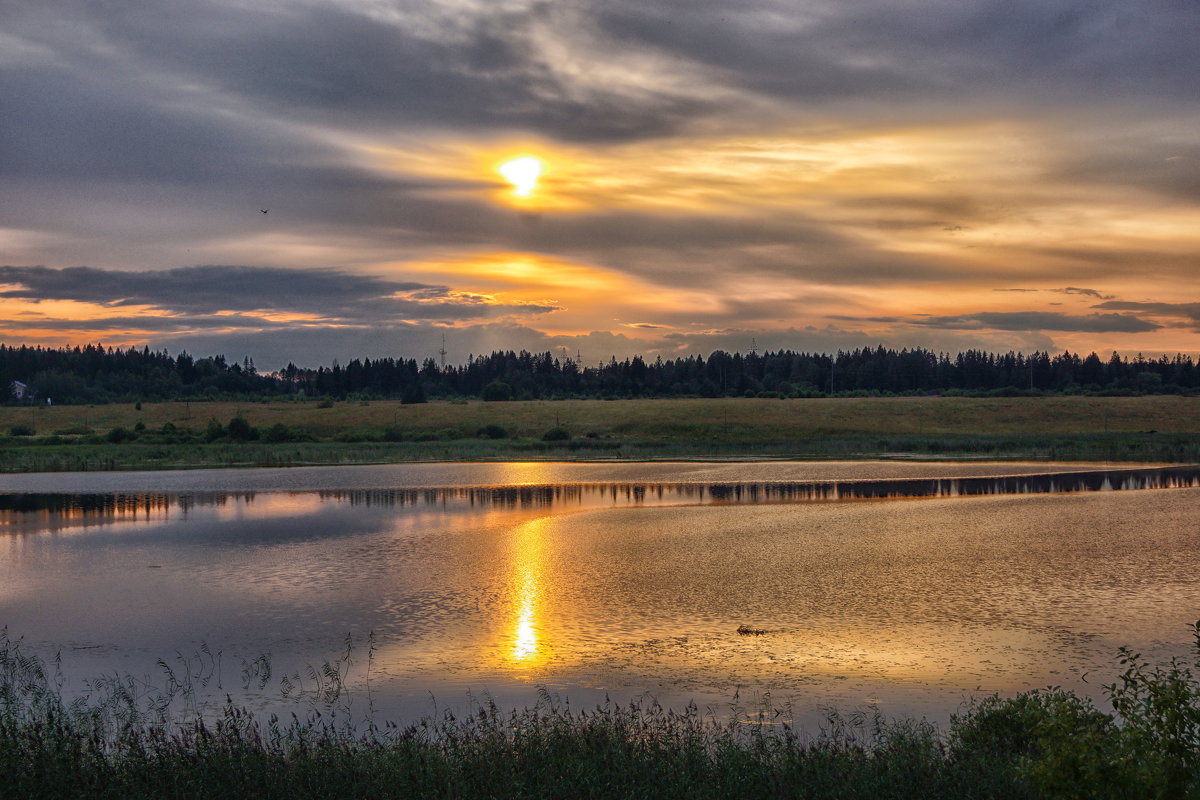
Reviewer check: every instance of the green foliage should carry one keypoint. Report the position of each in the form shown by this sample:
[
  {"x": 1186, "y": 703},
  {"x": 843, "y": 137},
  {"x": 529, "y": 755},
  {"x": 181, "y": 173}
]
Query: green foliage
[
  {"x": 1159, "y": 708},
  {"x": 118, "y": 435},
  {"x": 497, "y": 391},
  {"x": 326, "y": 403},
  {"x": 278, "y": 433},
  {"x": 214, "y": 430},
  {"x": 556, "y": 434},
  {"x": 413, "y": 393},
  {"x": 240, "y": 430},
  {"x": 492, "y": 432},
  {"x": 20, "y": 430}
]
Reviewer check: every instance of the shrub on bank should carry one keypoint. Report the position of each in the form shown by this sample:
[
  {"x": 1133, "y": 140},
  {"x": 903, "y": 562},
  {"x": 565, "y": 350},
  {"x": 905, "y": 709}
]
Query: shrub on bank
[{"x": 556, "y": 434}]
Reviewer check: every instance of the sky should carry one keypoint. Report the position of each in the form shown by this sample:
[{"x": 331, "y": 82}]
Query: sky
[{"x": 714, "y": 174}]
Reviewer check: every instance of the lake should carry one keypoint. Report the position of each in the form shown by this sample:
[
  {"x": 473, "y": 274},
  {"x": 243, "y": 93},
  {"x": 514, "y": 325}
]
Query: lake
[{"x": 913, "y": 586}]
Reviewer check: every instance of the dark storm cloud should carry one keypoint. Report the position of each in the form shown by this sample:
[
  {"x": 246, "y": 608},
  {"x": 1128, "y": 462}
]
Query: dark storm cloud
[
  {"x": 1183, "y": 311},
  {"x": 493, "y": 71},
  {"x": 1040, "y": 321},
  {"x": 333, "y": 64},
  {"x": 190, "y": 291},
  {"x": 203, "y": 289},
  {"x": 900, "y": 51}
]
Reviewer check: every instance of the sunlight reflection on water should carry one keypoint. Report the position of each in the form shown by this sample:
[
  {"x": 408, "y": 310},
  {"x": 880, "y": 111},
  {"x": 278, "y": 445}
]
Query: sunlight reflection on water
[{"x": 622, "y": 588}]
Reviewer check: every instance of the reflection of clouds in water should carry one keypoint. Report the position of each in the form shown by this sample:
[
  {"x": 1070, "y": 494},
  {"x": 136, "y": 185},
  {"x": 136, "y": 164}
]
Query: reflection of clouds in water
[
  {"x": 271, "y": 505},
  {"x": 888, "y": 600}
]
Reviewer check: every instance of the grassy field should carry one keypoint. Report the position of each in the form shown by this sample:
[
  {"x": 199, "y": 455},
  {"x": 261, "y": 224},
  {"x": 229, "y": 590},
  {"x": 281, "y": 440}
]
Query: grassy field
[{"x": 1150, "y": 428}]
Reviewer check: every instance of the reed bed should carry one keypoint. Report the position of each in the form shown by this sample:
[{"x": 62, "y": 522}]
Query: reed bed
[{"x": 121, "y": 742}]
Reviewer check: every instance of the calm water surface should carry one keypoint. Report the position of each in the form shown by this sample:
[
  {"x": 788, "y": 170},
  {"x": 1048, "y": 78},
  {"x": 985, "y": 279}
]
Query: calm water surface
[{"x": 618, "y": 579}]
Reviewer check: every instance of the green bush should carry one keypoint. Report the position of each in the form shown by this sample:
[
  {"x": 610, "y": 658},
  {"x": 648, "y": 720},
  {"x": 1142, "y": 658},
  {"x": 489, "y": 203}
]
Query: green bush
[
  {"x": 214, "y": 430},
  {"x": 277, "y": 433},
  {"x": 413, "y": 393},
  {"x": 492, "y": 432},
  {"x": 20, "y": 430},
  {"x": 556, "y": 434},
  {"x": 240, "y": 430},
  {"x": 497, "y": 391},
  {"x": 118, "y": 435}
]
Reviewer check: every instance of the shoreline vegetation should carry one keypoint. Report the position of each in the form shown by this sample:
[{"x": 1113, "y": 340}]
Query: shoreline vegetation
[
  {"x": 119, "y": 740},
  {"x": 281, "y": 433}
]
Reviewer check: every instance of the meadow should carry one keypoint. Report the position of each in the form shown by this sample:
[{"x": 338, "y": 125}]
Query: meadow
[{"x": 183, "y": 434}]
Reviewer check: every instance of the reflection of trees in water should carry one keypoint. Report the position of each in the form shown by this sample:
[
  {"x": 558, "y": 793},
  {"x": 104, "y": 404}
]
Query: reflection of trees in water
[
  {"x": 118, "y": 505},
  {"x": 620, "y": 494}
]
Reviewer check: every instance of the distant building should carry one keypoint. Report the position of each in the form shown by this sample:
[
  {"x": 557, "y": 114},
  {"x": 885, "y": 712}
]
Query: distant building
[{"x": 19, "y": 390}]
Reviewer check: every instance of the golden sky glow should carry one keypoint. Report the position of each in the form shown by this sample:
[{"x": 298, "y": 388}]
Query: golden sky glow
[{"x": 608, "y": 179}]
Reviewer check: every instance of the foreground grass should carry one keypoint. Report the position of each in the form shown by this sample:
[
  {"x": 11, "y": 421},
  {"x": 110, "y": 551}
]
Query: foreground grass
[
  {"x": 174, "y": 435},
  {"x": 1041, "y": 744}
]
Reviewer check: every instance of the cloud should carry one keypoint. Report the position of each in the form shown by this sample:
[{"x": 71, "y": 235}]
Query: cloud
[
  {"x": 924, "y": 53},
  {"x": 274, "y": 349},
  {"x": 1189, "y": 312},
  {"x": 1040, "y": 321},
  {"x": 1086, "y": 292},
  {"x": 742, "y": 161},
  {"x": 233, "y": 293}
]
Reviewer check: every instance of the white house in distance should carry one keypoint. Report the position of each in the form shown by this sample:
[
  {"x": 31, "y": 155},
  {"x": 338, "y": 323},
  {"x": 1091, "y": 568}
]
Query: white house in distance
[{"x": 19, "y": 390}]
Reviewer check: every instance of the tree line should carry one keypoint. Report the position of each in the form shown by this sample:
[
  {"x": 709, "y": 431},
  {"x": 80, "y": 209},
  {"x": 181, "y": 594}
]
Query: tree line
[{"x": 98, "y": 374}]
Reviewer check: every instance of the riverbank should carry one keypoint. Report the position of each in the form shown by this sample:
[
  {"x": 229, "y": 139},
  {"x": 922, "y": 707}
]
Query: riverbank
[{"x": 220, "y": 434}]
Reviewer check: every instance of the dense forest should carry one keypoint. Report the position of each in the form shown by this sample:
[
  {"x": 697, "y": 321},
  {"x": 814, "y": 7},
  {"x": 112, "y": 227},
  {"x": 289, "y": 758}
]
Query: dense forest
[{"x": 96, "y": 374}]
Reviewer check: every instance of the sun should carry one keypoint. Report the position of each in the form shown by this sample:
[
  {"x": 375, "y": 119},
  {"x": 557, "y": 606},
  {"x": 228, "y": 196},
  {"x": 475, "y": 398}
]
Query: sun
[{"x": 522, "y": 173}]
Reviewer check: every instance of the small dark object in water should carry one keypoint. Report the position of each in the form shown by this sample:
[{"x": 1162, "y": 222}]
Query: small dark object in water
[{"x": 746, "y": 630}]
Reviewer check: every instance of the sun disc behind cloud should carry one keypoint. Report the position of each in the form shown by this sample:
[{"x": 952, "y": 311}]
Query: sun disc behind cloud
[{"x": 522, "y": 173}]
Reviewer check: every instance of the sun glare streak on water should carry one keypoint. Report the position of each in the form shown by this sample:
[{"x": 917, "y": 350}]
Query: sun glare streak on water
[{"x": 527, "y": 564}]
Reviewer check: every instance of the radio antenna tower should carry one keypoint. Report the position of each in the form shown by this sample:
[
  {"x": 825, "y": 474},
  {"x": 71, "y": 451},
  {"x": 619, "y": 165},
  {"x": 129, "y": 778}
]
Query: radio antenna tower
[
  {"x": 753, "y": 347},
  {"x": 442, "y": 352}
]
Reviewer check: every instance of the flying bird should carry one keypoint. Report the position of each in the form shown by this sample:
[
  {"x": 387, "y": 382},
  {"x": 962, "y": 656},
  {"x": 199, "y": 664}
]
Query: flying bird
[{"x": 264, "y": 210}]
